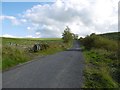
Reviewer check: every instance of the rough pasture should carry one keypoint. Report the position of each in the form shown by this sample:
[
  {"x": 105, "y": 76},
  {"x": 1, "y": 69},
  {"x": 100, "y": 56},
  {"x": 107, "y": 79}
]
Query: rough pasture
[{"x": 16, "y": 50}]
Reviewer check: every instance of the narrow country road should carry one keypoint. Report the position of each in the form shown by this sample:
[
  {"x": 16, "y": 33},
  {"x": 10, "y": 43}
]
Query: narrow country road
[{"x": 61, "y": 70}]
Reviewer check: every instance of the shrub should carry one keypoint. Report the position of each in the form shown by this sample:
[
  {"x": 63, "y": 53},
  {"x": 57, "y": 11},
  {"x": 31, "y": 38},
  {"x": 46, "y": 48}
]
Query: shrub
[
  {"x": 88, "y": 42},
  {"x": 94, "y": 41},
  {"x": 104, "y": 43}
]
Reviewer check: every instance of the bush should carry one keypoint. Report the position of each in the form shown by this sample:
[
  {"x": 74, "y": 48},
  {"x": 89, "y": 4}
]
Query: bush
[
  {"x": 104, "y": 43},
  {"x": 94, "y": 41},
  {"x": 88, "y": 42}
]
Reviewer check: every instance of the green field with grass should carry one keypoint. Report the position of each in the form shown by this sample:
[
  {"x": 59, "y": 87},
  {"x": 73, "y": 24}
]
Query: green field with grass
[
  {"x": 16, "y": 50},
  {"x": 102, "y": 69}
]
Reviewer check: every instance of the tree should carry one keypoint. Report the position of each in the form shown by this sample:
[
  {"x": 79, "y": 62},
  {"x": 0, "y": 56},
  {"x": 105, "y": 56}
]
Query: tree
[
  {"x": 67, "y": 36},
  {"x": 76, "y": 36},
  {"x": 93, "y": 34}
]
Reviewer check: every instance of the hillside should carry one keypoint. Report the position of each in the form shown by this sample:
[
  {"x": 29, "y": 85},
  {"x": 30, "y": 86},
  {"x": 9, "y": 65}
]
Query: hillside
[
  {"x": 114, "y": 35},
  {"x": 101, "y": 54}
]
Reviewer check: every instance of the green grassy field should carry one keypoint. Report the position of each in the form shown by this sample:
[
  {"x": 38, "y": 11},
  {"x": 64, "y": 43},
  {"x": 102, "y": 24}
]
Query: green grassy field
[
  {"x": 102, "y": 69},
  {"x": 15, "y": 50},
  {"x": 28, "y": 41}
]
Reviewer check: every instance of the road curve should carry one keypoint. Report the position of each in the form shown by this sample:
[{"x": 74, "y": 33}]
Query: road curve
[{"x": 61, "y": 70}]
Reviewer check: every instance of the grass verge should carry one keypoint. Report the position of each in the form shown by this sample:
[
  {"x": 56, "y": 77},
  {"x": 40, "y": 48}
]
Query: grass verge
[
  {"x": 13, "y": 55},
  {"x": 101, "y": 66}
]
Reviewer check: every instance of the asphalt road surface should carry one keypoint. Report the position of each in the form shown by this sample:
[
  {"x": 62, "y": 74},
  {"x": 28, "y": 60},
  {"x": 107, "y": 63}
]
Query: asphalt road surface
[{"x": 61, "y": 70}]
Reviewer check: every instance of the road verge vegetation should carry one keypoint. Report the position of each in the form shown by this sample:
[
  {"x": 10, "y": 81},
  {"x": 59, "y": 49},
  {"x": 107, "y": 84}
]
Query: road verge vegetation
[
  {"x": 16, "y": 51},
  {"x": 19, "y": 50},
  {"x": 102, "y": 68}
]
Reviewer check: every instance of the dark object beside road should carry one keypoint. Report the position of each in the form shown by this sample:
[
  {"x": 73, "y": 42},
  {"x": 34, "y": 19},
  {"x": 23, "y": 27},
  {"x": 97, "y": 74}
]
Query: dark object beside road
[{"x": 38, "y": 47}]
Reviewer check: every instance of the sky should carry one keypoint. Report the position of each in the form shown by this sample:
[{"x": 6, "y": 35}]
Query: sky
[{"x": 49, "y": 19}]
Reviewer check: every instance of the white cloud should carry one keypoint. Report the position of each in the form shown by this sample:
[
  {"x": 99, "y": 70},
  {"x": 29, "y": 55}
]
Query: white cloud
[
  {"x": 28, "y": 28},
  {"x": 1, "y": 18},
  {"x": 23, "y": 20},
  {"x": 13, "y": 19},
  {"x": 82, "y": 16},
  {"x": 7, "y": 35},
  {"x": 30, "y": 36},
  {"x": 37, "y": 33},
  {"x": 10, "y": 36}
]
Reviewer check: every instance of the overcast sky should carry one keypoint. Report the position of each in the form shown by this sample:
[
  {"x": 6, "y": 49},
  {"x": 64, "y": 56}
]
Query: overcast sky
[{"x": 49, "y": 19}]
